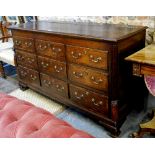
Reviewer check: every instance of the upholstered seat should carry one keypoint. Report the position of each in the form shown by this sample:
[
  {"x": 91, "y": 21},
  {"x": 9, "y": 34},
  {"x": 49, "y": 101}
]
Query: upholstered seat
[
  {"x": 150, "y": 83},
  {"x": 20, "y": 119},
  {"x": 7, "y": 56},
  {"x": 6, "y": 45}
]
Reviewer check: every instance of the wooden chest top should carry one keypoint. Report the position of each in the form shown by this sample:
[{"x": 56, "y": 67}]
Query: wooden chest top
[{"x": 103, "y": 32}]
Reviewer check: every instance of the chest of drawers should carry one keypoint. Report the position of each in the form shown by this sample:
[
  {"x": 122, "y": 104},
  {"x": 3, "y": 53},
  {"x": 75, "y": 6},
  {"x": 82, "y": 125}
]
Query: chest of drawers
[{"x": 80, "y": 65}]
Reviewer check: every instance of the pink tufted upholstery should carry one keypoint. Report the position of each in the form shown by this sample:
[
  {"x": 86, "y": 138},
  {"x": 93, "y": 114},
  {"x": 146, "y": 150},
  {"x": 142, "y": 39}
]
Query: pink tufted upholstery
[{"x": 21, "y": 119}]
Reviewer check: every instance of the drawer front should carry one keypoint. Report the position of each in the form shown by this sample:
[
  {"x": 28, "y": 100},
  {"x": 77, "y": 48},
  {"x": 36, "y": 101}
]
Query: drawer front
[
  {"x": 51, "y": 85},
  {"x": 28, "y": 76},
  {"x": 88, "y": 77},
  {"x": 24, "y": 44},
  {"x": 91, "y": 57},
  {"x": 52, "y": 67},
  {"x": 26, "y": 59},
  {"x": 51, "y": 49},
  {"x": 89, "y": 100}
]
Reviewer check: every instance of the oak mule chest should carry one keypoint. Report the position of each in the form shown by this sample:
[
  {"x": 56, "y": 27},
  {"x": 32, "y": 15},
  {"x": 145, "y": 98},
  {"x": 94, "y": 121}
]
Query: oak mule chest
[{"x": 80, "y": 65}]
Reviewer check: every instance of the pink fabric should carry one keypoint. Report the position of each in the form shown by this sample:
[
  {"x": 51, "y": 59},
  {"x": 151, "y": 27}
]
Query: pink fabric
[
  {"x": 150, "y": 83},
  {"x": 21, "y": 119}
]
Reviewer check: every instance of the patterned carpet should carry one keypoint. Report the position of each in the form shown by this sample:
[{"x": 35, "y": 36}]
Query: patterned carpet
[
  {"x": 38, "y": 100},
  {"x": 78, "y": 120}
]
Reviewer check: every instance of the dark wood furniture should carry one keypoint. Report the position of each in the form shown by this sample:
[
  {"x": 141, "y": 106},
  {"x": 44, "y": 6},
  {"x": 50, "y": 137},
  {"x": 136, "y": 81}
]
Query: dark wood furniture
[
  {"x": 144, "y": 64},
  {"x": 80, "y": 65},
  {"x": 5, "y": 35}
]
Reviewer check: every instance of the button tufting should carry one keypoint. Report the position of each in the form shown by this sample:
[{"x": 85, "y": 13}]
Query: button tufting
[
  {"x": 14, "y": 119},
  {"x": 34, "y": 122},
  {"x": 35, "y": 129}
]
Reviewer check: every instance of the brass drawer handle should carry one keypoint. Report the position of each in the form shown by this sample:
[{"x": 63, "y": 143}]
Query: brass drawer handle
[
  {"x": 33, "y": 77},
  {"x": 96, "y": 103},
  {"x": 23, "y": 74},
  {"x": 28, "y": 44},
  {"x": 77, "y": 75},
  {"x": 59, "y": 87},
  {"x": 55, "y": 50},
  {"x": 44, "y": 65},
  {"x": 41, "y": 47},
  {"x": 30, "y": 60},
  {"x": 47, "y": 83},
  {"x": 96, "y": 60},
  {"x": 20, "y": 57},
  {"x": 95, "y": 80},
  {"x": 58, "y": 70},
  {"x": 18, "y": 42},
  {"x": 78, "y": 97},
  {"x": 76, "y": 56}
]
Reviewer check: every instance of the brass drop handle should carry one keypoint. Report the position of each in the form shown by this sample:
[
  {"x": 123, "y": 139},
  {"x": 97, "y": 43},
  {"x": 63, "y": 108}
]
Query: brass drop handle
[
  {"x": 59, "y": 87},
  {"x": 96, "y": 60},
  {"x": 55, "y": 50},
  {"x": 78, "y": 97},
  {"x": 18, "y": 42},
  {"x": 77, "y": 75},
  {"x": 96, "y": 103},
  {"x": 42, "y": 48},
  {"x": 33, "y": 77},
  {"x": 76, "y": 56},
  {"x": 44, "y": 64},
  {"x": 95, "y": 80},
  {"x": 23, "y": 74},
  {"x": 47, "y": 83},
  {"x": 58, "y": 70},
  {"x": 28, "y": 44},
  {"x": 30, "y": 60},
  {"x": 20, "y": 57}
]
